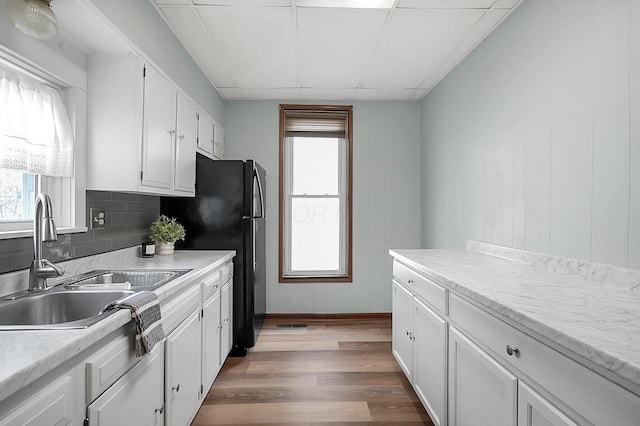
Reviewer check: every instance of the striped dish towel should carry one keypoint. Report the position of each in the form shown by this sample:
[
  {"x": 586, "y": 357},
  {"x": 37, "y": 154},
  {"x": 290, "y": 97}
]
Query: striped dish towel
[{"x": 145, "y": 311}]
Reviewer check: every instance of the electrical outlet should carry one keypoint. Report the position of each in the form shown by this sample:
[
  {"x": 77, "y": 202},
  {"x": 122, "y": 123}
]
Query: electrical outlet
[{"x": 96, "y": 218}]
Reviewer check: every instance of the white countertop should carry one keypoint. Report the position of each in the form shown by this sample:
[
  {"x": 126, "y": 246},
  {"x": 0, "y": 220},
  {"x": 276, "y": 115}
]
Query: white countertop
[
  {"x": 593, "y": 322},
  {"x": 27, "y": 355}
]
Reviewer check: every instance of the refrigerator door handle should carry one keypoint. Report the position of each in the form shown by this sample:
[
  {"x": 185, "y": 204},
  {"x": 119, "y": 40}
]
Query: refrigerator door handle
[{"x": 260, "y": 215}]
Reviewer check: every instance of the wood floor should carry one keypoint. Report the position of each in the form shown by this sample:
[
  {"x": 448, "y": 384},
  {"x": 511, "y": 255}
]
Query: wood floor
[{"x": 330, "y": 373}]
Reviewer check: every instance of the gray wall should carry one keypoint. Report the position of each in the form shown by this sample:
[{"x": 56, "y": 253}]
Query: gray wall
[
  {"x": 127, "y": 223},
  {"x": 534, "y": 140},
  {"x": 386, "y": 200},
  {"x": 142, "y": 24}
]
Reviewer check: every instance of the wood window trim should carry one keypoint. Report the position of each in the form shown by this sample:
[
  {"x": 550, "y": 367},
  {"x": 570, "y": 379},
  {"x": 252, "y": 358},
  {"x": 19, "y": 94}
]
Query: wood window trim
[{"x": 281, "y": 195}]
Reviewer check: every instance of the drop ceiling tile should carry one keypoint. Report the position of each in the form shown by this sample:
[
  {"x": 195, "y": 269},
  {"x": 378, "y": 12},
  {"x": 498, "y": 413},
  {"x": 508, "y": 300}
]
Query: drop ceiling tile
[
  {"x": 414, "y": 44},
  {"x": 336, "y": 58},
  {"x": 256, "y": 44},
  {"x": 274, "y": 3},
  {"x": 172, "y": 2},
  {"x": 384, "y": 94},
  {"x": 327, "y": 94},
  {"x": 232, "y": 93},
  {"x": 187, "y": 26},
  {"x": 505, "y": 4},
  {"x": 360, "y": 4},
  {"x": 271, "y": 94},
  {"x": 446, "y": 4}
]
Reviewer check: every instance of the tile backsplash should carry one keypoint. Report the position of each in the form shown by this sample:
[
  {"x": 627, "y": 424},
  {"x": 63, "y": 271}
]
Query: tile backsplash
[{"x": 128, "y": 218}]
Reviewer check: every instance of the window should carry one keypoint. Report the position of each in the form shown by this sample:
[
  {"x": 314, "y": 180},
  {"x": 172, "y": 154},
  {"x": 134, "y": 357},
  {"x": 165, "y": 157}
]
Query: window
[
  {"x": 37, "y": 148},
  {"x": 315, "y": 193}
]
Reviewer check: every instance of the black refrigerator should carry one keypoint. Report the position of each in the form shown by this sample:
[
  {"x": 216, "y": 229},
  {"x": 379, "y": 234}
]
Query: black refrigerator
[{"x": 227, "y": 213}]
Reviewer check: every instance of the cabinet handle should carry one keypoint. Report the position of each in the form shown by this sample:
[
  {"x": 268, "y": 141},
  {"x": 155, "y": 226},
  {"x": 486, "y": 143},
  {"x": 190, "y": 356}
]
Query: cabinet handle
[
  {"x": 160, "y": 410},
  {"x": 176, "y": 388},
  {"x": 512, "y": 350}
]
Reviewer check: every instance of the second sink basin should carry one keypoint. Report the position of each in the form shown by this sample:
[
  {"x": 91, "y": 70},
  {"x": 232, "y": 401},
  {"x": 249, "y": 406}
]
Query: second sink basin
[
  {"x": 57, "y": 309},
  {"x": 137, "y": 279}
]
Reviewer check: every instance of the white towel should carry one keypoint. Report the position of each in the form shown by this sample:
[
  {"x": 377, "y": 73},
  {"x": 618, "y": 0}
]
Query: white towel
[{"x": 145, "y": 311}]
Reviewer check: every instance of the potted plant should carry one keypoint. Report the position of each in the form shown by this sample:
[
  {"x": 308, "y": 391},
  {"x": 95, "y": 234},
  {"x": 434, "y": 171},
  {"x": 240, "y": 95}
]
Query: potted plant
[{"x": 165, "y": 232}]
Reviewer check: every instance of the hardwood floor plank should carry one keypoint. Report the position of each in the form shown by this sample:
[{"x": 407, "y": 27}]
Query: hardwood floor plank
[
  {"x": 319, "y": 355},
  {"x": 294, "y": 345},
  {"x": 283, "y": 412},
  {"x": 400, "y": 412},
  {"x": 361, "y": 378},
  {"x": 354, "y": 365},
  {"x": 241, "y": 395},
  {"x": 264, "y": 380}
]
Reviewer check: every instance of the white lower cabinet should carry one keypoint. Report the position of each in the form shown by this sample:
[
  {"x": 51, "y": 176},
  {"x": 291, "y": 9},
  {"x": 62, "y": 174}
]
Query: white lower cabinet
[
  {"x": 534, "y": 410},
  {"x": 226, "y": 316},
  {"x": 481, "y": 392},
  {"x": 183, "y": 384},
  {"x": 430, "y": 361},
  {"x": 420, "y": 347},
  {"x": 402, "y": 328},
  {"x": 54, "y": 405},
  {"x": 137, "y": 398},
  {"x": 211, "y": 339}
]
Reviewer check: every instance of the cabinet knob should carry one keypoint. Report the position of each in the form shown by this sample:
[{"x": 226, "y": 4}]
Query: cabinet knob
[
  {"x": 160, "y": 410},
  {"x": 181, "y": 137},
  {"x": 172, "y": 131},
  {"x": 407, "y": 332},
  {"x": 410, "y": 281},
  {"x": 512, "y": 350},
  {"x": 176, "y": 388}
]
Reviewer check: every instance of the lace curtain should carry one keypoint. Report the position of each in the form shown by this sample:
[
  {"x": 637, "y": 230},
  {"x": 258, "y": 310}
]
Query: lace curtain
[{"x": 35, "y": 132}]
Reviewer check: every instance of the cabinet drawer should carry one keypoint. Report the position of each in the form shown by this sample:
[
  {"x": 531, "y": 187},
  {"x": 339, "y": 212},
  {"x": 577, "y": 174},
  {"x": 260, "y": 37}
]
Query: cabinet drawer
[
  {"x": 108, "y": 365},
  {"x": 179, "y": 308},
  {"x": 210, "y": 285},
  {"x": 227, "y": 272},
  {"x": 578, "y": 390},
  {"x": 421, "y": 286}
]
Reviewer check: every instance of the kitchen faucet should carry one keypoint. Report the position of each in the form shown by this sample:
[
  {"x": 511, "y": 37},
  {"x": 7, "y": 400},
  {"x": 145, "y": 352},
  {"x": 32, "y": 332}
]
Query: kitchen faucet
[{"x": 44, "y": 229}]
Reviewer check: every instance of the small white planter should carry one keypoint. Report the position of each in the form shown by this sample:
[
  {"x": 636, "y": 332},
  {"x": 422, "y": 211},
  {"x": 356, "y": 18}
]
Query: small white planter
[{"x": 165, "y": 249}]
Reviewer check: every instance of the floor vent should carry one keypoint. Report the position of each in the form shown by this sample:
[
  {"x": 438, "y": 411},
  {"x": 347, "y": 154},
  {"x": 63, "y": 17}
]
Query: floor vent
[{"x": 291, "y": 326}]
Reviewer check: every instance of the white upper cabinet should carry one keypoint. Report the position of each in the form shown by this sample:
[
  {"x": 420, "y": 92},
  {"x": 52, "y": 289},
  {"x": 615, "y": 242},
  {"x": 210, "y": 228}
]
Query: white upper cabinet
[
  {"x": 187, "y": 135},
  {"x": 218, "y": 141},
  {"x": 141, "y": 130},
  {"x": 205, "y": 135}
]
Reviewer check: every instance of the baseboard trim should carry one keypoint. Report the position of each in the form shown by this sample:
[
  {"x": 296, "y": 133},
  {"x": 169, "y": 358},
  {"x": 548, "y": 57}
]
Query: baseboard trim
[{"x": 360, "y": 316}]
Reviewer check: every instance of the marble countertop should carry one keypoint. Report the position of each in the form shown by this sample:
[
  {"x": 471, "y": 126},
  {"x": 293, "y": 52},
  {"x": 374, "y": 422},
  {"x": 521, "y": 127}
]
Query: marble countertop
[
  {"x": 27, "y": 355},
  {"x": 592, "y": 321}
]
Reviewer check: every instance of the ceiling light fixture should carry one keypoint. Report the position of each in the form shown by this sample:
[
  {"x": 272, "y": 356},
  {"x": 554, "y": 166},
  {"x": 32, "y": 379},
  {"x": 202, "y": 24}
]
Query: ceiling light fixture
[
  {"x": 33, "y": 18},
  {"x": 358, "y": 4}
]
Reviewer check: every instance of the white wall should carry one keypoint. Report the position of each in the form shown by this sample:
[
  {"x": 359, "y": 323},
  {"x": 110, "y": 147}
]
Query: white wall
[
  {"x": 142, "y": 24},
  {"x": 534, "y": 140},
  {"x": 386, "y": 200}
]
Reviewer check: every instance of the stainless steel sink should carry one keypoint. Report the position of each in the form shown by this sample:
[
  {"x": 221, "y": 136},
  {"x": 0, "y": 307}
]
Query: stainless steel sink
[
  {"x": 135, "y": 279},
  {"x": 77, "y": 302},
  {"x": 57, "y": 309}
]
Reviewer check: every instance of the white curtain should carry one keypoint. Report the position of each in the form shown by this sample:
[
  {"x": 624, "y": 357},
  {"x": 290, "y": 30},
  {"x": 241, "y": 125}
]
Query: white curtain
[{"x": 35, "y": 132}]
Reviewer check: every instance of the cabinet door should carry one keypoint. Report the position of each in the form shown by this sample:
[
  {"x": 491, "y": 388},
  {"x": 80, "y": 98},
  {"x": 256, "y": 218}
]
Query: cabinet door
[
  {"x": 534, "y": 410},
  {"x": 182, "y": 372},
  {"x": 227, "y": 324},
  {"x": 218, "y": 141},
  {"x": 187, "y": 131},
  {"x": 158, "y": 130},
  {"x": 54, "y": 405},
  {"x": 481, "y": 391},
  {"x": 430, "y": 361},
  {"x": 211, "y": 339},
  {"x": 402, "y": 328},
  {"x": 135, "y": 399},
  {"x": 205, "y": 134}
]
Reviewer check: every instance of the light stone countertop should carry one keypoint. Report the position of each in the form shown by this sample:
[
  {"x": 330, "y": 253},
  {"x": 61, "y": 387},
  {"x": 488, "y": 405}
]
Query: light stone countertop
[
  {"x": 28, "y": 355},
  {"x": 592, "y": 321}
]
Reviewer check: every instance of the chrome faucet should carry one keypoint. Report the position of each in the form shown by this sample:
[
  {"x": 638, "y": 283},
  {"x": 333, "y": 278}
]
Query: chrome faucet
[{"x": 44, "y": 229}]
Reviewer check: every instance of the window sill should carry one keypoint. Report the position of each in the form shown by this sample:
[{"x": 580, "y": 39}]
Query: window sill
[
  {"x": 317, "y": 280},
  {"x": 7, "y": 235}
]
